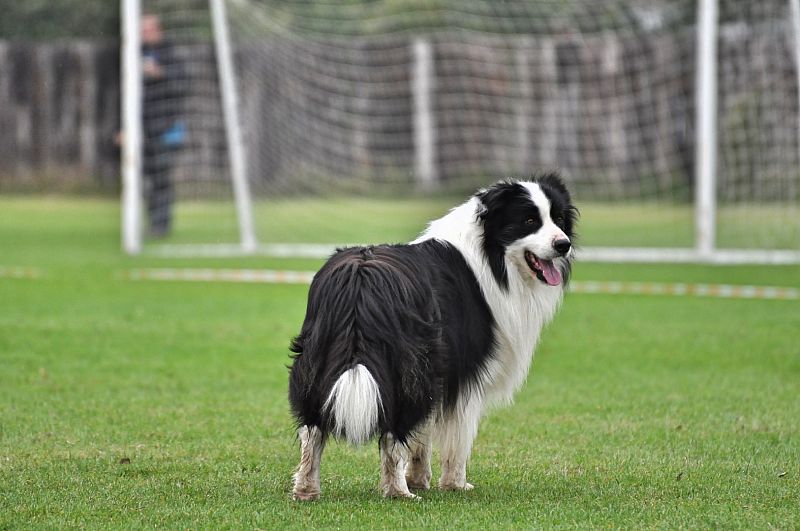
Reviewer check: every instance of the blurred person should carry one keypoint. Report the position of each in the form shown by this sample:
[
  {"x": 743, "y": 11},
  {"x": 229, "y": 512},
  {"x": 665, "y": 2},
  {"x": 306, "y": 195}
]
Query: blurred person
[{"x": 163, "y": 130}]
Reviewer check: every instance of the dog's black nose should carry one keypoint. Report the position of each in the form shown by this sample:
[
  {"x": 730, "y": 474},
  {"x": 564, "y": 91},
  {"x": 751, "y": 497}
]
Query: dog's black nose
[{"x": 562, "y": 246}]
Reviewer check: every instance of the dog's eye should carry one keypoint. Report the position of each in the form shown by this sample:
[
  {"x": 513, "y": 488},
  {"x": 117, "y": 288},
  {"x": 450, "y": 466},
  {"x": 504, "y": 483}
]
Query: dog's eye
[
  {"x": 530, "y": 221},
  {"x": 558, "y": 218}
]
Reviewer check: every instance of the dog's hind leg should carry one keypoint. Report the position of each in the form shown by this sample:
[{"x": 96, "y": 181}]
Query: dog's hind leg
[
  {"x": 306, "y": 479},
  {"x": 455, "y": 434},
  {"x": 394, "y": 456},
  {"x": 418, "y": 468}
]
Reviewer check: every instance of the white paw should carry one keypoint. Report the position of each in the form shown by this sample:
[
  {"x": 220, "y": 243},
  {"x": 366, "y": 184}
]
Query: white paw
[
  {"x": 396, "y": 493},
  {"x": 305, "y": 494},
  {"x": 396, "y": 490},
  {"x": 454, "y": 486}
]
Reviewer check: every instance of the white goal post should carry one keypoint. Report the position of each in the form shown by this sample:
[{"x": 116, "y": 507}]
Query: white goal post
[
  {"x": 644, "y": 103},
  {"x": 132, "y": 112},
  {"x": 227, "y": 78},
  {"x": 132, "y": 129}
]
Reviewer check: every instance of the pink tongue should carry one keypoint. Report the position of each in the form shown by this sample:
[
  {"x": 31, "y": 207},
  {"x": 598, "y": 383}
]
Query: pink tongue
[{"x": 551, "y": 274}]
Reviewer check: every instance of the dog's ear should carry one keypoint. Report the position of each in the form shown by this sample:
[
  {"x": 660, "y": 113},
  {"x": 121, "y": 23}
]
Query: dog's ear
[
  {"x": 491, "y": 199},
  {"x": 481, "y": 210},
  {"x": 554, "y": 181}
]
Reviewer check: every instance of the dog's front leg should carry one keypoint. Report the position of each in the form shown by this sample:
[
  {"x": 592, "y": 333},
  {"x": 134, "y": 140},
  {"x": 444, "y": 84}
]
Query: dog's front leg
[{"x": 456, "y": 433}]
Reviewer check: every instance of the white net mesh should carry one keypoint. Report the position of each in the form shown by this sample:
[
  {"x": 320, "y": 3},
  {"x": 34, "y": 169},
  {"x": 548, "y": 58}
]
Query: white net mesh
[
  {"x": 362, "y": 120},
  {"x": 759, "y": 177},
  {"x": 186, "y": 172}
]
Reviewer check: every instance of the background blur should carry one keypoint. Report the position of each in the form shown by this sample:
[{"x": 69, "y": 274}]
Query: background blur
[{"x": 330, "y": 106}]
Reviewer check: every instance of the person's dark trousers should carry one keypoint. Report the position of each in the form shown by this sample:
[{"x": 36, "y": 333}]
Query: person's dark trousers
[{"x": 159, "y": 193}]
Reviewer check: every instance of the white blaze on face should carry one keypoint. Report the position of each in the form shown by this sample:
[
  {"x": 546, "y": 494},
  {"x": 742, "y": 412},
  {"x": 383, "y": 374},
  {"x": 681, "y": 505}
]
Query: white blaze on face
[
  {"x": 538, "y": 246},
  {"x": 540, "y": 242}
]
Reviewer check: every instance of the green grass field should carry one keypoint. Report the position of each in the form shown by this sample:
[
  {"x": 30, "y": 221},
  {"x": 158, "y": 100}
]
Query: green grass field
[
  {"x": 345, "y": 220},
  {"x": 140, "y": 404}
]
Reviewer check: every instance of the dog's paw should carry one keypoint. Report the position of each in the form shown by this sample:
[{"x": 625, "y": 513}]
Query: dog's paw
[
  {"x": 399, "y": 494},
  {"x": 418, "y": 482},
  {"x": 454, "y": 486},
  {"x": 305, "y": 494},
  {"x": 395, "y": 491}
]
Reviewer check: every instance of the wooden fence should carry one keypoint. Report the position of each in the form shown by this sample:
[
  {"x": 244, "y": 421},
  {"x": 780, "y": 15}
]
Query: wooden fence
[{"x": 59, "y": 112}]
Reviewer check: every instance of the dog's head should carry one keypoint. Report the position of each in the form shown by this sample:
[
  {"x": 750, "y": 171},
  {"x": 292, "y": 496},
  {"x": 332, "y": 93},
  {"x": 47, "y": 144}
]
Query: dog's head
[{"x": 529, "y": 225}]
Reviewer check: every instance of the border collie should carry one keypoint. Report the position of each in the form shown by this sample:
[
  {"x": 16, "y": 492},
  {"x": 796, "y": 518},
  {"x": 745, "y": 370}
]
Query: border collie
[{"x": 412, "y": 343}]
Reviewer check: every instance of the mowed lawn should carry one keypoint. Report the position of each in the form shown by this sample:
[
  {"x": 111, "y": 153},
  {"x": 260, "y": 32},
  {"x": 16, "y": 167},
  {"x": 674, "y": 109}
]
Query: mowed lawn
[
  {"x": 353, "y": 220},
  {"x": 141, "y": 404}
]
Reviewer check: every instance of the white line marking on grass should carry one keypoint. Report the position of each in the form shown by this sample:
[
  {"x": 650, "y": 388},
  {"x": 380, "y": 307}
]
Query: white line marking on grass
[
  {"x": 20, "y": 272},
  {"x": 223, "y": 275},
  {"x": 267, "y": 276},
  {"x": 720, "y": 291}
]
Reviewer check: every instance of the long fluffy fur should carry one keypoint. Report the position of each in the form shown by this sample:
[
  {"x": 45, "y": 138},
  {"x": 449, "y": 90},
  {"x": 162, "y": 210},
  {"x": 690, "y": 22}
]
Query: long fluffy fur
[
  {"x": 385, "y": 308},
  {"x": 413, "y": 342}
]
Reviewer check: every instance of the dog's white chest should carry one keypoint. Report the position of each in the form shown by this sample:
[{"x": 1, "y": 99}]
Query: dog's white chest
[
  {"x": 520, "y": 312},
  {"x": 520, "y": 315}
]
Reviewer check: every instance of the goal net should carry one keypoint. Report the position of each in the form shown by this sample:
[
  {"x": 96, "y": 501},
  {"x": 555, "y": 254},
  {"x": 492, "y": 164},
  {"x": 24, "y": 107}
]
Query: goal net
[{"x": 359, "y": 121}]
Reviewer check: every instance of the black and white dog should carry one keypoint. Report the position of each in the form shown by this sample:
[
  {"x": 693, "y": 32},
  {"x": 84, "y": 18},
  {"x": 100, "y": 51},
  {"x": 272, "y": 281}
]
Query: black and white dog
[{"x": 412, "y": 343}]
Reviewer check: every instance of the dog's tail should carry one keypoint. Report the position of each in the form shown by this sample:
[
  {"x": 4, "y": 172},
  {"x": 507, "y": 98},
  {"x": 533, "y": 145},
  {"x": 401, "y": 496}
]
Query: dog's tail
[{"x": 354, "y": 405}]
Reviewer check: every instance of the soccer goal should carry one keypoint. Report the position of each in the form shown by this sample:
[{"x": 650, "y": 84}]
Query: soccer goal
[{"x": 287, "y": 128}]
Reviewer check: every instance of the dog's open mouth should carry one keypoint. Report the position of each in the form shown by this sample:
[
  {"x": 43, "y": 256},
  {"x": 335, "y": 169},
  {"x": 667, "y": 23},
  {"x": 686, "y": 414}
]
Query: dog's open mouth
[{"x": 545, "y": 270}]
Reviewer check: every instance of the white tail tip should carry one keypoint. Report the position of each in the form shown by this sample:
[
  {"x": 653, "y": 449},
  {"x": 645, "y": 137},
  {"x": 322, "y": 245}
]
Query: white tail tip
[{"x": 355, "y": 403}]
